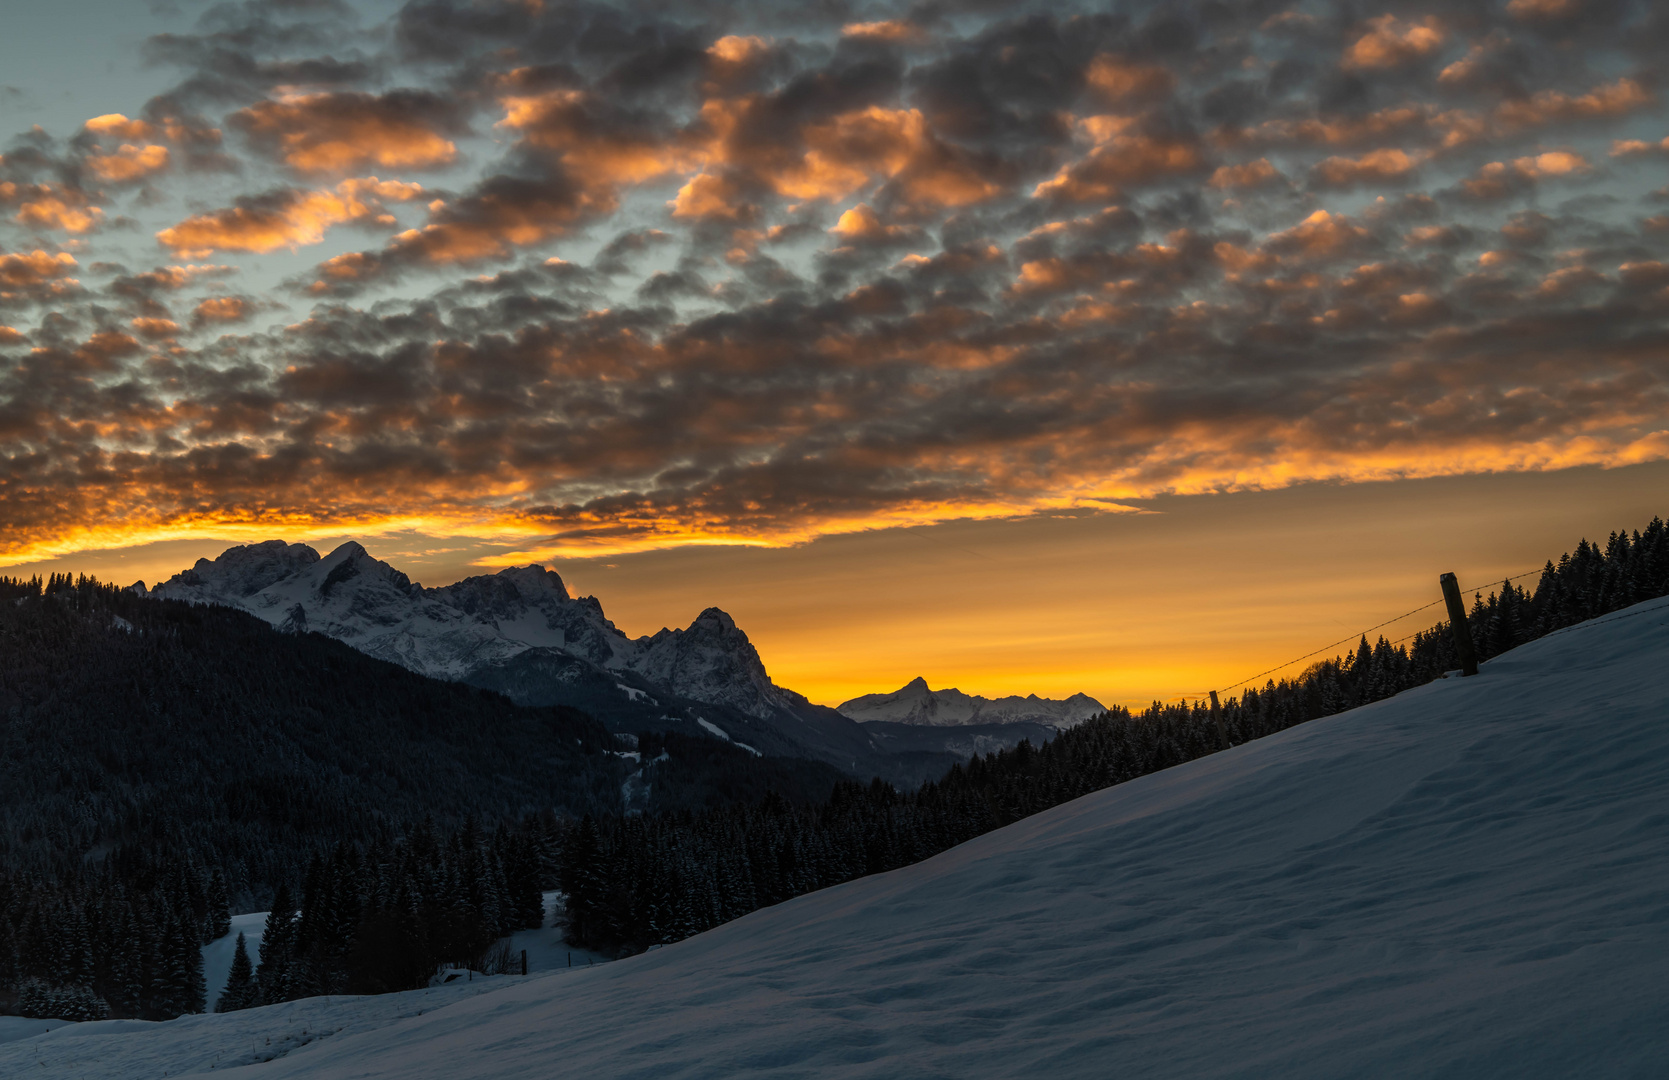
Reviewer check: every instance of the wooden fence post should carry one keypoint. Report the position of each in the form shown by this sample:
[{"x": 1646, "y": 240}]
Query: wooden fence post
[
  {"x": 1217, "y": 717},
  {"x": 1457, "y": 624}
]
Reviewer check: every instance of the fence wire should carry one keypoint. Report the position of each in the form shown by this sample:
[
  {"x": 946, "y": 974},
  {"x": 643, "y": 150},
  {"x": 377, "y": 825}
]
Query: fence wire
[{"x": 1364, "y": 633}]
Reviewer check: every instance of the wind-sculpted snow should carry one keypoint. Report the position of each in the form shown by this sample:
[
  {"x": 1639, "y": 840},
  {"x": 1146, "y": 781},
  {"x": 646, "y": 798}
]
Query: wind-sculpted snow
[
  {"x": 916, "y": 703},
  {"x": 1468, "y": 880}
]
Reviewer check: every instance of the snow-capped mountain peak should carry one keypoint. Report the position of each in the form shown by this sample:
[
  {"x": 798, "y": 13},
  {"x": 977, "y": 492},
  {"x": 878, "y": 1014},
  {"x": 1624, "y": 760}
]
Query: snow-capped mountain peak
[
  {"x": 452, "y": 631},
  {"x": 917, "y": 703},
  {"x": 712, "y": 660},
  {"x": 244, "y": 571}
]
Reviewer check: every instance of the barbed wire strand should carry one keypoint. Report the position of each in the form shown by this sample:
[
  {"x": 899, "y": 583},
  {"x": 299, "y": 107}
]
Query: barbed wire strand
[{"x": 1365, "y": 633}]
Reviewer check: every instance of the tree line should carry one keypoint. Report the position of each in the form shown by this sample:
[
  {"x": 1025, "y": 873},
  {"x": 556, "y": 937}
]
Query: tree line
[
  {"x": 387, "y": 918},
  {"x": 637, "y": 881}
]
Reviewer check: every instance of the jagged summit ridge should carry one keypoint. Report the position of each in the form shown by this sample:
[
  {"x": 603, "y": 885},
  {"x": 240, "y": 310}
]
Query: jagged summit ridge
[
  {"x": 452, "y": 631},
  {"x": 917, "y": 703}
]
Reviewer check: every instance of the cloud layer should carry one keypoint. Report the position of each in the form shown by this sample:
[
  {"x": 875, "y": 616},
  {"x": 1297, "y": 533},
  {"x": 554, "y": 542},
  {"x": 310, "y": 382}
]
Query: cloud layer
[{"x": 601, "y": 278}]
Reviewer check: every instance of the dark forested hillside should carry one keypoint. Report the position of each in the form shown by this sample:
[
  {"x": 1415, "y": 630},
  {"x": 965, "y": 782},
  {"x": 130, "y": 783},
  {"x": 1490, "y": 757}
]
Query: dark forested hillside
[
  {"x": 136, "y": 723},
  {"x": 162, "y": 765}
]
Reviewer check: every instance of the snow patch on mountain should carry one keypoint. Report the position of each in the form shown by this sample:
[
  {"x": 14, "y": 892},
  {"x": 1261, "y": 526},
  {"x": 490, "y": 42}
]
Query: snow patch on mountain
[{"x": 917, "y": 703}]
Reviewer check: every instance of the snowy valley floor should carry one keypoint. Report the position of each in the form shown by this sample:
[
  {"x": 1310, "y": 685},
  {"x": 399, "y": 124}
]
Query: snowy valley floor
[{"x": 1468, "y": 880}]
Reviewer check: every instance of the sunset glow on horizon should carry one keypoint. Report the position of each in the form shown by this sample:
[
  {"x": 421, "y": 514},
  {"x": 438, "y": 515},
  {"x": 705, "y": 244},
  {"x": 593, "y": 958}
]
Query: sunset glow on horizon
[{"x": 739, "y": 306}]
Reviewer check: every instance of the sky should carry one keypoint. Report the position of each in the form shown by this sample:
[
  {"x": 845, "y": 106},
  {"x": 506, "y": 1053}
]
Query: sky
[{"x": 1120, "y": 348}]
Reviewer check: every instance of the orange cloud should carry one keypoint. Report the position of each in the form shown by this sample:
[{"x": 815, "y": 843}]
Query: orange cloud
[
  {"x": 861, "y": 225},
  {"x": 128, "y": 162},
  {"x": 1499, "y": 178},
  {"x": 892, "y": 31},
  {"x": 1320, "y": 234},
  {"x": 349, "y": 266},
  {"x": 105, "y": 346},
  {"x": 707, "y": 197},
  {"x": 1391, "y": 42},
  {"x": 1248, "y": 174},
  {"x": 1345, "y": 130},
  {"x": 505, "y": 213},
  {"x": 1544, "y": 9},
  {"x": 155, "y": 328},
  {"x": 597, "y": 150},
  {"x": 1632, "y": 147},
  {"x": 221, "y": 309},
  {"x": 1121, "y": 81},
  {"x": 840, "y": 155},
  {"x": 1121, "y": 158},
  {"x": 118, "y": 126},
  {"x": 289, "y": 219},
  {"x": 1425, "y": 235},
  {"x": 1240, "y": 263},
  {"x": 736, "y": 50},
  {"x": 846, "y": 151},
  {"x": 47, "y": 206},
  {"x": 25, "y": 271},
  {"x": 1552, "y": 106},
  {"x": 1552, "y": 163},
  {"x": 1376, "y": 166},
  {"x": 338, "y": 132}
]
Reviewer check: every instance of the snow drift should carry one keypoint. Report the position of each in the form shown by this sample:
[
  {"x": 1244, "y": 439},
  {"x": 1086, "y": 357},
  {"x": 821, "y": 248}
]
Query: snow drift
[{"x": 1470, "y": 879}]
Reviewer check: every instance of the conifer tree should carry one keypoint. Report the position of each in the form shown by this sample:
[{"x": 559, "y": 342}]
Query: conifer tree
[
  {"x": 240, "y": 991},
  {"x": 187, "y": 974},
  {"x": 277, "y": 949},
  {"x": 220, "y": 907}
]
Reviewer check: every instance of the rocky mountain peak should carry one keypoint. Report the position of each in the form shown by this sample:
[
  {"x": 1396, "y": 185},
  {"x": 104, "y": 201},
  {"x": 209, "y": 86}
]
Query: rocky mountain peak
[
  {"x": 453, "y": 630},
  {"x": 246, "y": 570},
  {"x": 917, "y": 703},
  {"x": 716, "y": 621},
  {"x": 534, "y": 579},
  {"x": 351, "y": 560}
]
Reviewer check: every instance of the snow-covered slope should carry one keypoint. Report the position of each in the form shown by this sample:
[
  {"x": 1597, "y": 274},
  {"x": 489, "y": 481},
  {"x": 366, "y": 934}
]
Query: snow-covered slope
[
  {"x": 520, "y": 632},
  {"x": 915, "y": 703},
  {"x": 1468, "y": 880}
]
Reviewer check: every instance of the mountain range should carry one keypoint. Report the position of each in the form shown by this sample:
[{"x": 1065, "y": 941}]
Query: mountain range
[
  {"x": 519, "y": 632},
  {"x": 916, "y": 703}
]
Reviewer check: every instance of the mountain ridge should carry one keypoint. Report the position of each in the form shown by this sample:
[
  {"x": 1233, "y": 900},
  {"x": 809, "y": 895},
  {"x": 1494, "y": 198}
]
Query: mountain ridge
[
  {"x": 918, "y": 704},
  {"x": 520, "y": 632}
]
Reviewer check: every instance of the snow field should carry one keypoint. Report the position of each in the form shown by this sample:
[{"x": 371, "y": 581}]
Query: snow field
[{"x": 1468, "y": 880}]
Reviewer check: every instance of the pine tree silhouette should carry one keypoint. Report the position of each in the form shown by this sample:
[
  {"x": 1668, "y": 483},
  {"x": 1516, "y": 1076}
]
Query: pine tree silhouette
[{"x": 240, "y": 982}]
